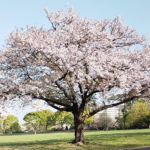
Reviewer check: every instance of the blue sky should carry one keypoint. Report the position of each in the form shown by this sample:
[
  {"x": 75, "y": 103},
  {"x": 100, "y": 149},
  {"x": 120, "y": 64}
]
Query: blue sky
[{"x": 18, "y": 13}]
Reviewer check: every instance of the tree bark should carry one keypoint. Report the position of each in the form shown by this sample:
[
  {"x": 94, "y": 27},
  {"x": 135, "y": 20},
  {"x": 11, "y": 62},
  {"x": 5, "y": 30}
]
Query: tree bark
[
  {"x": 79, "y": 129},
  {"x": 62, "y": 128},
  {"x": 34, "y": 130},
  {"x": 123, "y": 124}
]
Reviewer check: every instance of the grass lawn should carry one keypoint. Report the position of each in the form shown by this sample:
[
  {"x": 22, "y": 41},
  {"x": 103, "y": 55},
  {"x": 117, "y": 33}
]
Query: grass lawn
[{"x": 94, "y": 140}]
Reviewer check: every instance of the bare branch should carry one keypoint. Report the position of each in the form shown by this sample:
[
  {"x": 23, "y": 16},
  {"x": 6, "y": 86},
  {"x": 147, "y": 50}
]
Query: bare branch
[{"x": 108, "y": 106}]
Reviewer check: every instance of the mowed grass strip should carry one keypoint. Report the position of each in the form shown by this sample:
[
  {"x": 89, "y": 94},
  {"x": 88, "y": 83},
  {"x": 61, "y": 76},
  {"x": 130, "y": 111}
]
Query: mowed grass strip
[{"x": 97, "y": 140}]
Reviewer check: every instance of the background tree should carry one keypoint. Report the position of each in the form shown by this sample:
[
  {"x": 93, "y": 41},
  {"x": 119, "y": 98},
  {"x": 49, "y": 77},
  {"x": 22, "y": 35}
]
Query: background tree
[
  {"x": 63, "y": 117},
  {"x": 69, "y": 120},
  {"x": 73, "y": 61},
  {"x": 33, "y": 119},
  {"x": 11, "y": 124},
  {"x": 15, "y": 127},
  {"x": 1, "y": 123},
  {"x": 40, "y": 119},
  {"x": 139, "y": 115},
  {"x": 105, "y": 121},
  {"x": 48, "y": 118},
  {"x": 29, "y": 127},
  {"x": 121, "y": 119}
]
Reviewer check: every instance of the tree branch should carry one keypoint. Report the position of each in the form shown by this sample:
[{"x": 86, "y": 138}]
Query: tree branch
[
  {"x": 58, "y": 108},
  {"x": 62, "y": 77},
  {"x": 108, "y": 106},
  {"x": 64, "y": 91},
  {"x": 52, "y": 101},
  {"x": 93, "y": 92},
  {"x": 80, "y": 87}
]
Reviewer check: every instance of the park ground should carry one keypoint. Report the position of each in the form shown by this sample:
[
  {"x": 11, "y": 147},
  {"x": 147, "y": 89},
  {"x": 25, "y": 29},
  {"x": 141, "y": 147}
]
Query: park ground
[{"x": 94, "y": 140}]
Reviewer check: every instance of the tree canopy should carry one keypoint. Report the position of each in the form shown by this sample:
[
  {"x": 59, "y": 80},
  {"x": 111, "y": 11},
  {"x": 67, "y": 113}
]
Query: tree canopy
[
  {"x": 33, "y": 118},
  {"x": 63, "y": 117},
  {"x": 39, "y": 119},
  {"x": 139, "y": 115},
  {"x": 48, "y": 118},
  {"x": 11, "y": 124},
  {"x": 75, "y": 64}
]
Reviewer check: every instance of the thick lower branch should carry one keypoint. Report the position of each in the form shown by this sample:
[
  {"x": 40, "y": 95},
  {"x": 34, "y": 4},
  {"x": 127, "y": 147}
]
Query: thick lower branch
[
  {"x": 52, "y": 101},
  {"x": 108, "y": 106},
  {"x": 68, "y": 109},
  {"x": 143, "y": 94}
]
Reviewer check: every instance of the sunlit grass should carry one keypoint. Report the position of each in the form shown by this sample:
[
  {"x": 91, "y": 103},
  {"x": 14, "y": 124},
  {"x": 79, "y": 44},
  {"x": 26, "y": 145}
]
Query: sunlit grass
[{"x": 97, "y": 140}]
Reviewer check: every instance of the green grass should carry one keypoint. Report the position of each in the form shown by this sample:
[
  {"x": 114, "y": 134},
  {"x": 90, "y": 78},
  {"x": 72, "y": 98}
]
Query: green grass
[{"x": 94, "y": 140}]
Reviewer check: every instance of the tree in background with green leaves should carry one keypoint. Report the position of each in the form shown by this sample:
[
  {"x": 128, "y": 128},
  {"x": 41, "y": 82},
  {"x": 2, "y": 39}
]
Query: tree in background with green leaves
[
  {"x": 139, "y": 115},
  {"x": 47, "y": 118},
  {"x": 63, "y": 117},
  {"x": 1, "y": 123},
  {"x": 69, "y": 120},
  {"x": 39, "y": 119},
  {"x": 16, "y": 127},
  {"x": 33, "y": 119},
  {"x": 11, "y": 124},
  {"x": 121, "y": 119}
]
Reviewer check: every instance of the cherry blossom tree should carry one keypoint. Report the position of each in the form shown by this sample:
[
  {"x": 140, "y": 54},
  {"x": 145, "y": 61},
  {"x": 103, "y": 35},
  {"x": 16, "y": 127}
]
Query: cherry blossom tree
[{"x": 76, "y": 64}]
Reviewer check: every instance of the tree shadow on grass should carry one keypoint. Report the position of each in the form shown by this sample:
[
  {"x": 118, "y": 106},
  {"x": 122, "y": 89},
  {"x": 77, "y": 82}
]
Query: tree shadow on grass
[
  {"x": 57, "y": 145},
  {"x": 93, "y": 141}
]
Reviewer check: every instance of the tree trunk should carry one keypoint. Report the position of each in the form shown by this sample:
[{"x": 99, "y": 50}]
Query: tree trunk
[
  {"x": 79, "y": 130},
  {"x": 35, "y": 130},
  {"x": 46, "y": 127},
  {"x": 124, "y": 124},
  {"x": 62, "y": 128}
]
